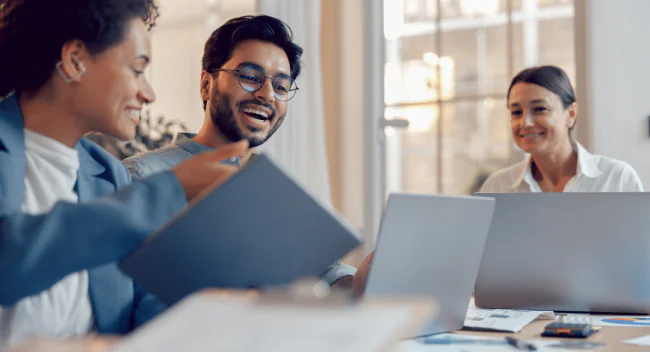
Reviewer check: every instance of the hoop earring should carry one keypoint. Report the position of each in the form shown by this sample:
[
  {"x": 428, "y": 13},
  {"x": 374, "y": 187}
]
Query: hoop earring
[{"x": 66, "y": 78}]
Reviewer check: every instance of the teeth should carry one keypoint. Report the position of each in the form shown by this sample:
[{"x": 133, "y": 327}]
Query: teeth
[
  {"x": 133, "y": 113},
  {"x": 532, "y": 135},
  {"x": 256, "y": 112}
]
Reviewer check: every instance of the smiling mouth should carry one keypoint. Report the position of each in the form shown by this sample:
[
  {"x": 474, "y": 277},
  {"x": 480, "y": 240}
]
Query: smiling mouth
[
  {"x": 531, "y": 135},
  {"x": 133, "y": 114},
  {"x": 255, "y": 113}
]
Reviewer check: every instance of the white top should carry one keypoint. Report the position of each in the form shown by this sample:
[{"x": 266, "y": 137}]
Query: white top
[
  {"x": 595, "y": 173},
  {"x": 64, "y": 310}
]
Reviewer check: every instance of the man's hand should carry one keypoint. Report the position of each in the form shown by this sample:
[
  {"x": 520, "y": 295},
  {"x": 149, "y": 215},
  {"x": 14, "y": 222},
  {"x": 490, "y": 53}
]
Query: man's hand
[
  {"x": 360, "y": 278},
  {"x": 206, "y": 171}
]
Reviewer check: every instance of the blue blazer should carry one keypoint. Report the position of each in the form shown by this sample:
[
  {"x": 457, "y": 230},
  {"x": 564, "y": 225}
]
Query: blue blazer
[{"x": 111, "y": 219}]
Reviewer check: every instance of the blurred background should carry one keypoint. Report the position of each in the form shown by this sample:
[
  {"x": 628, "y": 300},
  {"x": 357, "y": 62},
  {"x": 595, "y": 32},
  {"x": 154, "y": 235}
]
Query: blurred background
[{"x": 410, "y": 95}]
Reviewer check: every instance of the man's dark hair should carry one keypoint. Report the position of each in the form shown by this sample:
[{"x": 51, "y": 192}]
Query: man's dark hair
[
  {"x": 32, "y": 33},
  {"x": 223, "y": 41}
]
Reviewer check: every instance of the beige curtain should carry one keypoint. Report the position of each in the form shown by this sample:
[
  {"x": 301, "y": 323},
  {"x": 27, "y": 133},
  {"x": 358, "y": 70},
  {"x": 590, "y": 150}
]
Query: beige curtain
[{"x": 299, "y": 145}]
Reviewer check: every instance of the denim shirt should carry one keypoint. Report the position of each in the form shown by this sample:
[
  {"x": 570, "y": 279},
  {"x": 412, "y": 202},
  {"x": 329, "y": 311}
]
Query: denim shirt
[{"x": 183, "y": 148}]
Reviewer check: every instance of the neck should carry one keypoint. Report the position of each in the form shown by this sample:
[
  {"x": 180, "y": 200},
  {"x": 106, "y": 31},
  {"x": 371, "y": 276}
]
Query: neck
[
  {"x": 45, "y": 115},
  {"x": 557, "y": 164},
  {"x": 210, "y": 136}
]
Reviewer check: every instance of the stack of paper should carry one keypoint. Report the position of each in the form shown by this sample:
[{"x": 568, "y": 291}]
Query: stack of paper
[
  {"x": 213, "y": 323},
  {"x": 507, "y": 320}
]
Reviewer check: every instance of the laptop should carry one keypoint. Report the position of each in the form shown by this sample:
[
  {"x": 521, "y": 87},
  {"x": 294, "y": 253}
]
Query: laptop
[
  {"x": 431, "y": 245},
  {"x": 257, "y": 230},
  {"x": 575, "y": 252}
]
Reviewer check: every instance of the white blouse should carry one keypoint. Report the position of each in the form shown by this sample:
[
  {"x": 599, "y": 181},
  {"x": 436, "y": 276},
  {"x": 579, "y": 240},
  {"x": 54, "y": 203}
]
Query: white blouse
[{"x": 595, "y": 173}]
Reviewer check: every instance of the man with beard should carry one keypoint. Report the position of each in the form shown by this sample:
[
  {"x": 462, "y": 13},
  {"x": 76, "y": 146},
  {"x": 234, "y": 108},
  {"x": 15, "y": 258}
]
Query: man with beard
[{"x": 249, "y": 69}]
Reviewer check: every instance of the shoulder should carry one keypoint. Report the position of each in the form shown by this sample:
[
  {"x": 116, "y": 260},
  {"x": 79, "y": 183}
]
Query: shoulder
[
  {"x": 118, "y": 173},
  {"x": 618, "y": 171},
  {"x": 503, "y": 179},
  {"x": 147, "y": 163},
  {"x": 608, "y": 165},
  {"x": 98, "y": 153}
]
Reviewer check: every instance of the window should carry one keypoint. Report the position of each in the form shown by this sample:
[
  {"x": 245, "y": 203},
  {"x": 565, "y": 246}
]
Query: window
[{"x": 448, "y": 67}]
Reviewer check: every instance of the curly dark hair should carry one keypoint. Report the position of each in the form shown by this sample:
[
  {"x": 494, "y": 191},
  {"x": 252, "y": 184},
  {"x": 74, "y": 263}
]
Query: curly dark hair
[
  {"x": 32, "y": 33},
  {"x": 219, "y": 47}
]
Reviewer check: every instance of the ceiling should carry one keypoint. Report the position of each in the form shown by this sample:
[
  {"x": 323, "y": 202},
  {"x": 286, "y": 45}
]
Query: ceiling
[{"x": 184, "y": 10}]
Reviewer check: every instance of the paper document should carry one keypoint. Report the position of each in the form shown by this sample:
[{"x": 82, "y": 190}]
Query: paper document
[
  {"x": 464, "y": 343},
  {"x": 614, "y": 320},
  {"x": 453, "y": 342},
  {"x": 640, "y": 341},
  {"x": 508, "y": 320},
  {"x": 213, "y": 323}
]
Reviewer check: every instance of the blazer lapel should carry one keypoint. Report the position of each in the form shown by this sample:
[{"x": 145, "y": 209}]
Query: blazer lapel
[
  {"x": 12, "y": 153},
  {"x": 111, "y": 292}
]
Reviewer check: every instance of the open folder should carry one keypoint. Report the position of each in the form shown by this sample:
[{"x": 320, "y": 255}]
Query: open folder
[{"x": 258, "y": 229}]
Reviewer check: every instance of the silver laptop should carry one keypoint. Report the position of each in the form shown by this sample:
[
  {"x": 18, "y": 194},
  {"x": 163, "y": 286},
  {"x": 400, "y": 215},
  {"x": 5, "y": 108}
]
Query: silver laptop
[
  {"x": 431, "y": 245},
  {"x": 583, "y": 252}
]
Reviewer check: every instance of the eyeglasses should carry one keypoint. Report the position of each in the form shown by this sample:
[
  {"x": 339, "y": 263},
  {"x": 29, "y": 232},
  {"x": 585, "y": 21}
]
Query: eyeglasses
[{"x": 252, "y": 79}]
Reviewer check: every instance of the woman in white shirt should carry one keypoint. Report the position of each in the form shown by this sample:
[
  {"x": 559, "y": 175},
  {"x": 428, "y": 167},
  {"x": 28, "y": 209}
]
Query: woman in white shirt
[{"x": 543, "y": 112}]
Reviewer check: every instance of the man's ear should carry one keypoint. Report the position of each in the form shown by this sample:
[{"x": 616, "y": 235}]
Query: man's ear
[{"x": 206, "y": 84}]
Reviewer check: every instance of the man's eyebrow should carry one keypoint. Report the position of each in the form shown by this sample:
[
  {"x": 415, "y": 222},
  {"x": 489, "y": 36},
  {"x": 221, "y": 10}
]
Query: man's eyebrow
[
  {"x": 252, "y": 64},
  {"x": 246, "y": 63},
  {"x": 143, "y": 57}
]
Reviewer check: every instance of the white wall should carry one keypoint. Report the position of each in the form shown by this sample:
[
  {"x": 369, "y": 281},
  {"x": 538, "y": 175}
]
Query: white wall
[
  {"x": 617, "y": 44},
  {"x": 177, "y": 45},
  {"x": 175, "y": 73}
]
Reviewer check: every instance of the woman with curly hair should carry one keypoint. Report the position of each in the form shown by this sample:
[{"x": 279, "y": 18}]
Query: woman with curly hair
[{"x": 68, "y": 210}]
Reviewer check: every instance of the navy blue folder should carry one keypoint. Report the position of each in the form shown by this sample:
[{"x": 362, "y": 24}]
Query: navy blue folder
[{"x": 257, "y": 230}]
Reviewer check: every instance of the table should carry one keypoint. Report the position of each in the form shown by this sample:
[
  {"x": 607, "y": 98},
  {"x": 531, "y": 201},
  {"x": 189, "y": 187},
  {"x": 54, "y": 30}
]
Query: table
[{"x": 609, "y": 335}]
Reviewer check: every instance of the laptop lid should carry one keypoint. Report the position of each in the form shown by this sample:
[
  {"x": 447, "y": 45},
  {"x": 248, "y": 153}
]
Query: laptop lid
[
  {"x": 258, "y": 229},
  {"x": 431, "y": 245},
  {"x": 583, "y": 252}
]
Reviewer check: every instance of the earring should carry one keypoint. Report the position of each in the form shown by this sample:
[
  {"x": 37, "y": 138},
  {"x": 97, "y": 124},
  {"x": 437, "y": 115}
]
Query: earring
[{"x": 66, "y": 78}]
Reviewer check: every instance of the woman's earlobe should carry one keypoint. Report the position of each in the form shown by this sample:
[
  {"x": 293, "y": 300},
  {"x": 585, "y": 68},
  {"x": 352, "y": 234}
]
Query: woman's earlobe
[{"x": 571, "y": 123}]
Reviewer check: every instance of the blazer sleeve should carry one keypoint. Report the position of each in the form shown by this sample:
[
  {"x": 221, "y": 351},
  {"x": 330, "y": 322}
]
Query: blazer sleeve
[
  {"x": 36, "y": 251},
  {"x": 145, "y": 307}
]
